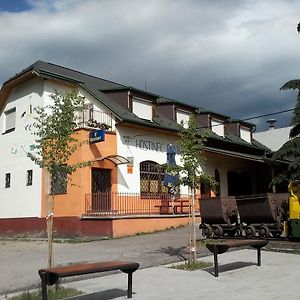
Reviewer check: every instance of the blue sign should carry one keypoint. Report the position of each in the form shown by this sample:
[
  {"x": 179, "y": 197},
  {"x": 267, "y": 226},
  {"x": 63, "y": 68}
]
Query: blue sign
[{"x": 96, "y": 136}]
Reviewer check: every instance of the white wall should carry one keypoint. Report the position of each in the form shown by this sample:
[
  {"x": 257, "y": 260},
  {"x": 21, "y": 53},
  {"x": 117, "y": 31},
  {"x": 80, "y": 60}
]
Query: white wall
[
  {"x": 51, "y": 87},
  {"x": 141, "y": 145},
  {"x": 20, "y": 200}
]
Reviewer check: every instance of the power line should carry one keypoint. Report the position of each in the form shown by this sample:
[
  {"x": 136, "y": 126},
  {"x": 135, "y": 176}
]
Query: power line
[{"x": 270, "y": 114}]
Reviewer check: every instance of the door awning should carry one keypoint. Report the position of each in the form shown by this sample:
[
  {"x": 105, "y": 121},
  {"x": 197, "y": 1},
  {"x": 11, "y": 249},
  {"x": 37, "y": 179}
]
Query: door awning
[{"x": 114, "y": 158}]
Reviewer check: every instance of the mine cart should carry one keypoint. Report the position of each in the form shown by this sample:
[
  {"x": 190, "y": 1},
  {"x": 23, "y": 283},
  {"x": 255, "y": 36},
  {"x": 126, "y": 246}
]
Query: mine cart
[
  {"x": 218, "y": 216},
  {"x": 263, "y": 214}
]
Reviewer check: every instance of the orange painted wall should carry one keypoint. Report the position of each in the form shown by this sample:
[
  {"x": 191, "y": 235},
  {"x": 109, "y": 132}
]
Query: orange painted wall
[
  {"x": 73, "y": 203},
  {"x": 126, "y": 227}
]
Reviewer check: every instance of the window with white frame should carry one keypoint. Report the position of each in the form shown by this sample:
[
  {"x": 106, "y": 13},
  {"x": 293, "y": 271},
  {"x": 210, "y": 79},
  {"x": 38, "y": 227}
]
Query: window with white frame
[
  {"x": 217, "y": 127},
  {"x": 10, "y": 120},
  {"x": 182, "y": 117},
  {"x": 245, "y": 134},
  {"x": 142, "y": 108}
]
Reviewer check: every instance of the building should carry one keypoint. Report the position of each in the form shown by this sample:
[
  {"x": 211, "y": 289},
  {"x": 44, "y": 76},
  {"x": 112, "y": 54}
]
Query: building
[
  {"x": 273, "y": 138},
  {"x": 122, "y": 192}
]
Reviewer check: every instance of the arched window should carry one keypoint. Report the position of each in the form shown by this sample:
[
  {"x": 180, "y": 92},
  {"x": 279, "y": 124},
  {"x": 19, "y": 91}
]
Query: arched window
[{"x": 151, "y": 178}]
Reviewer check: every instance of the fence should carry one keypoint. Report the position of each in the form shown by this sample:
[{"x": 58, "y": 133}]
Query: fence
[{"x": 114, "y": 204}]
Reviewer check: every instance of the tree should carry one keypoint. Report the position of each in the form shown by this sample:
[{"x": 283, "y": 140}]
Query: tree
[
  {"x": 290, "y": 150},
  {"x": 55, "y": 143},
  {"x": 191, "y": 143}
]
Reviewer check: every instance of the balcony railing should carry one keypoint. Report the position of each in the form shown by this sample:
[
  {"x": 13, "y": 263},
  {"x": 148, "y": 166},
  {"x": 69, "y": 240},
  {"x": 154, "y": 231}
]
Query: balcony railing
[
  {"x": 96, "y": 118},
  {"x": 126, "y": 204}
]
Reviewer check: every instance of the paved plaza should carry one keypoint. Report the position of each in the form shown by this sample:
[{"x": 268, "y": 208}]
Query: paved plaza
[{"x": 239, "y": 278}]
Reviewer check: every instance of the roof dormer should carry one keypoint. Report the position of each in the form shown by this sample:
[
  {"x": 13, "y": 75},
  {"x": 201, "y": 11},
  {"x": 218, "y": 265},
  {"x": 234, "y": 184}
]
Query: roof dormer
[
  {"x": 241, "y": 129},
  {"x": 213, "y": 121},
  {"x": 175, "y": 110}
]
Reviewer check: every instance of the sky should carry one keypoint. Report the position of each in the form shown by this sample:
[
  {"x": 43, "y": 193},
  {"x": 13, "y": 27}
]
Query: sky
[{"x": 227, "y": 56}]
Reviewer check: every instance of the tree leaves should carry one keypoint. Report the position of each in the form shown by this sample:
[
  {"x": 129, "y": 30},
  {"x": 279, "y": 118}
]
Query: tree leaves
[
  {"x": 56, "y": 140},
  {"x": 191, "y": 143}
]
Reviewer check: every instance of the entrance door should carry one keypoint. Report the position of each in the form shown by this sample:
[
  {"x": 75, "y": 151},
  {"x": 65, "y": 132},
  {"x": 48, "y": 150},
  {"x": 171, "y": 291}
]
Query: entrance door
[{"x": 101, "y": 189}]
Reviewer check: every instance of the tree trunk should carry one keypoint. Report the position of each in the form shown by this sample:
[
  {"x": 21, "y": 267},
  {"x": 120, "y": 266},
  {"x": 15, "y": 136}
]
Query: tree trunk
[
  {"x": 192, "y": 222},
  {"x": 49, "y": 218},
  {"x": 50, "y": 231},
  {"x": 193, "y": 248}
]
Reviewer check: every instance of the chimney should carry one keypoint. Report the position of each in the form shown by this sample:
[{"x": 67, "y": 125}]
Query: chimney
[{"x": 271, "y": 123}]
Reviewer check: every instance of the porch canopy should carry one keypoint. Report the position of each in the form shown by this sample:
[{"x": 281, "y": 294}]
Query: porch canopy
[{"x": 114, "y": 158}]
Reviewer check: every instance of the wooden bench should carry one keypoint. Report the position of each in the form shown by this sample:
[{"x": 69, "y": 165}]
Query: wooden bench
[
  {"x": 51, "y": 276},
  {"x": 219, "y": 247}
]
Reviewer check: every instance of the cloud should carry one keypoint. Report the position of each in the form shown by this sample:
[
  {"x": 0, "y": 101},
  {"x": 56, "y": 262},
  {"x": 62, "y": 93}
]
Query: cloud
[{"x": 229, "y": 56}]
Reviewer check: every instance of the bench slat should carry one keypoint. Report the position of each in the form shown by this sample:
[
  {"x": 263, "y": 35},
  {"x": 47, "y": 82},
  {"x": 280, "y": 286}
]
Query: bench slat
[
  {"x": 89, "y": 268},
  {"x": 224, "y": 245}
]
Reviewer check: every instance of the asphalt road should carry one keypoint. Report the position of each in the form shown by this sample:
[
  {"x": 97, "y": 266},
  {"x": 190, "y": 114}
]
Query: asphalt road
[{"x": 20, "y": 260}]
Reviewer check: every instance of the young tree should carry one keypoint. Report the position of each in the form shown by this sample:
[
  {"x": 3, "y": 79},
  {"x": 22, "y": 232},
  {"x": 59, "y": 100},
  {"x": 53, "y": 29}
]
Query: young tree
[
  {"x": 55, "y": 143},
  {"x": 191, "y": 142}
]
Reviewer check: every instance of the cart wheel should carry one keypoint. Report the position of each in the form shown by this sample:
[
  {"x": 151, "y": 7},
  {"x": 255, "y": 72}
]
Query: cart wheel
[
  {"x": 250, "y": 231},
  {"x": 207, "y": 231},
  {"x": 264, "y": 231},
  {"x": 218, "y": 230}
]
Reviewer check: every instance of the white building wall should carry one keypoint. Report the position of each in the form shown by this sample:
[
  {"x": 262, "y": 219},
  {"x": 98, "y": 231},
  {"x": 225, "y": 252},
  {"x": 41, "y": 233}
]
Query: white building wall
[
  {"x": 141, "y": 146},
  {"x": 20, "y": 200},
  {"x": 100, "y": 110}
]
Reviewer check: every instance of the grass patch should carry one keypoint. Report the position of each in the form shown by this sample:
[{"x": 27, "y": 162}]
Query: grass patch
[
  {"x": 192, "y": 266},
  {"x": 53, "y": 294}
]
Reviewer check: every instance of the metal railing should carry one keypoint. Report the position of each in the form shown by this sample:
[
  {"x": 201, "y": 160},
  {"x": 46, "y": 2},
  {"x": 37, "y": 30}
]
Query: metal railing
[
  {"x": 114, "y": 204},
  {"x": 96, "y": 118}
]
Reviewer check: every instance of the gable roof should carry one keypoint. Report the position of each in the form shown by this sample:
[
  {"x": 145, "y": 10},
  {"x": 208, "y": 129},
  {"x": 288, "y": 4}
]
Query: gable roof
[{"x": 96, "y": 87}]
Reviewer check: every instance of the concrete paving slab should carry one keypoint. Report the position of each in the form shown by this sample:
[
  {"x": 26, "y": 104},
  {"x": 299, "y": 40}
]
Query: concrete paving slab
[{"x": 239, "y": 278}]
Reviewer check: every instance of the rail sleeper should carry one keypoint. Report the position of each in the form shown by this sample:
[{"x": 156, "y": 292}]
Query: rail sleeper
[
  {"x": 51, "y": 276},
  {"x": 222, "y": 246}
]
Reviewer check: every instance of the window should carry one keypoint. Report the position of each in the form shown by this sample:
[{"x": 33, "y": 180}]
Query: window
[
  {"x": 182, "y": 117},
  {"x": 245, "y": 134},
  {"x": 59, "y": 181},
  {"x": 7, "y": 180},
  {"x": 29, "y": 176},
  {"x": 142, "y": 108},
  {"x": 151, "y": 179},
  {"x": 217, "y": 127},
  {"x": 10, "y": 120}
]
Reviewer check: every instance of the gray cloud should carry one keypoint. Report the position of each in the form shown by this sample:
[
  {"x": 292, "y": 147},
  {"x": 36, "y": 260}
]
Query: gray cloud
[{"x": 229, "y": 56}]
